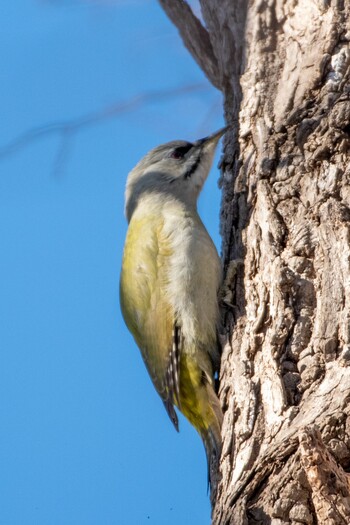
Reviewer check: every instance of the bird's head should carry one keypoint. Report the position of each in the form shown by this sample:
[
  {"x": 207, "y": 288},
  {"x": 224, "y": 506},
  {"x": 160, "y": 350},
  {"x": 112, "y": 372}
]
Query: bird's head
[{"x": 177, "y": 169}]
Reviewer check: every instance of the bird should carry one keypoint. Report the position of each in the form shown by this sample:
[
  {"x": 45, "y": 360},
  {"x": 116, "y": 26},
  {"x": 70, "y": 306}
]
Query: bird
[{"x": 169, "y": 283}]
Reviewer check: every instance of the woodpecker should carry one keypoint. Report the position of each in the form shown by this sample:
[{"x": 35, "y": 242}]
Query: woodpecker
[{"x": 169, "y": 283}]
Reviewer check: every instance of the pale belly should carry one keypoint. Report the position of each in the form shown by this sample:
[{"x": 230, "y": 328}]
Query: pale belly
[{"x": 194, "y": 278}]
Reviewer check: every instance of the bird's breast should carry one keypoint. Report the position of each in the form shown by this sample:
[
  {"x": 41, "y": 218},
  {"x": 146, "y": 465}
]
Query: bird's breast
[
  {"x": 169, "y": 255},
  {"x": 193, "y": 275},
  {"x": 170, "y": 275}
]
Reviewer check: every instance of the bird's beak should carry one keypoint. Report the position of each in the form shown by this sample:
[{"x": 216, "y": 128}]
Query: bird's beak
[{"x": 213, "y": 138}]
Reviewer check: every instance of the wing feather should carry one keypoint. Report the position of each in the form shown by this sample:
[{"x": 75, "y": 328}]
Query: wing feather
[{"x": 146, "y": 310}]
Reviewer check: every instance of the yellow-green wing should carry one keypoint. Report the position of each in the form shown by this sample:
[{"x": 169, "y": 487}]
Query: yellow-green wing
[{"x": 147, "y": 313}]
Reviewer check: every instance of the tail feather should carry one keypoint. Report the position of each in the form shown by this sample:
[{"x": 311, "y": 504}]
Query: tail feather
[
  {"x": 211, "y": 436},
  {"x": 213, "y": 457},
  {"x": 201, "y": 406}
]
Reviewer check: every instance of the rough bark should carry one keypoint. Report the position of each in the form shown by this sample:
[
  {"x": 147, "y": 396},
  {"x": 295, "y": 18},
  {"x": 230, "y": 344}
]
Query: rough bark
[{"x": 284, "y": 69}]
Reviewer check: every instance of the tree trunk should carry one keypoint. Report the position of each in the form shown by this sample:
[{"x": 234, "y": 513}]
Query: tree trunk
[{"x": 284, "y": 68}]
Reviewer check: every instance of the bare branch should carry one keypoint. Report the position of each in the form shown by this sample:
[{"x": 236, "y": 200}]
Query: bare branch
[
  {"x": 195, "y": 37},
  {"x": 62, "y": 154},
  {"x": 67, "y": 128}
]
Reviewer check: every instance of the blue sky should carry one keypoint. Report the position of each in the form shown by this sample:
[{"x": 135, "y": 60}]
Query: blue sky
[{"x": 84, "y": 437}]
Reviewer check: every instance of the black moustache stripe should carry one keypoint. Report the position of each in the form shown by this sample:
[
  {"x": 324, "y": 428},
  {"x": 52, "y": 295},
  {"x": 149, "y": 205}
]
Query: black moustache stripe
[{"x": 193, "y": 168}]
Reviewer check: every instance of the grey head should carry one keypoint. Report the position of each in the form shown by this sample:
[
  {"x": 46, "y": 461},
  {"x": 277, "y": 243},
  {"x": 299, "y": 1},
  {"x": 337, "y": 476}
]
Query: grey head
[{"x": 175, "y": 170}]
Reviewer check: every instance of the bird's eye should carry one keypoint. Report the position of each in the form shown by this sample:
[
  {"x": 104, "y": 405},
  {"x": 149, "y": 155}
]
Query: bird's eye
[
  {"x": 180, "y": 152},
  {"x": 176, "y": 154}
]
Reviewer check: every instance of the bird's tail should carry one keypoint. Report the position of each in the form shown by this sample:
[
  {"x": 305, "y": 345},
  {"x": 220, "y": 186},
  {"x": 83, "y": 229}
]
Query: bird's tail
[
  {"x": 211, "y": 434},
  {"x": 200, "y": 405}
]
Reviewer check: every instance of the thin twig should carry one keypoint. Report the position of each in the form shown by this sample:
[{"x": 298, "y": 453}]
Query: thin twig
[{"x": 67, "y": 128}]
